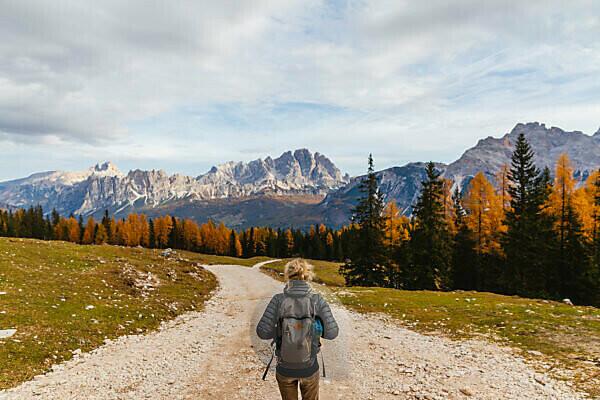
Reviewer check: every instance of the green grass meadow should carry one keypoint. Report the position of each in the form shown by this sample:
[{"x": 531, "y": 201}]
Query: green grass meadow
[{"x": 61, "y": 297}]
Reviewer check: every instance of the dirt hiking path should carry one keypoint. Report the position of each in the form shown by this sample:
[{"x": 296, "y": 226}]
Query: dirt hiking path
[{"x": 215, "y": 354}]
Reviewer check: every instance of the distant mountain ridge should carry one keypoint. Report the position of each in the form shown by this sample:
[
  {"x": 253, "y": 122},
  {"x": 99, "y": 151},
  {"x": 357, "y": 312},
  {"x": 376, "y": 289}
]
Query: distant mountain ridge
[
  {"x": 295, "y": 189},
  {"x": 103, "y": 186},
  {"x": 402, "y": 184},
  {"x": 489, "y": 154}
]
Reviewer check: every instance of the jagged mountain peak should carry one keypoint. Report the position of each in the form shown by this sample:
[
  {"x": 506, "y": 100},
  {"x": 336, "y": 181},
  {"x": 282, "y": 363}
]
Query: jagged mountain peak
[
  {"x": 489, "y": 154},
  {"x": 107, "y": 168},
  {"x": 536, "y": 128},
  {"x": 528, "y": 126},
  {"x": 291, "y": 167}
]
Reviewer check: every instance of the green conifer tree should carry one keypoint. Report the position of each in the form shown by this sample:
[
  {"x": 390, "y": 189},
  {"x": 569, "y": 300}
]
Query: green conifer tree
[
  {"x": 429, "y": 265},
  {"x": 368, "y": 263},
  {"x": 529, "y": 243},
  {"x": 232, "y": 244},
  {"x": 464, "y": 265},
  {"x": 576, "y": 276}
]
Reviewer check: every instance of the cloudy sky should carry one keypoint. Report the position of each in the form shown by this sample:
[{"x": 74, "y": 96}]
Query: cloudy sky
[{"x": 184, "y": 85}]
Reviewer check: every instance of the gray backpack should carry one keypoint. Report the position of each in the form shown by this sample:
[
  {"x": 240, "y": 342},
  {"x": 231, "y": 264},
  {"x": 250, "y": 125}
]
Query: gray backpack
[{"x": 296, "y": 342}]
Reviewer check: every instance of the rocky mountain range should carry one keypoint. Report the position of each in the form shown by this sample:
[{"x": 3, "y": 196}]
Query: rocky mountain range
[
  {"x": 296, "y": 189},
  {"x": 104, "y": 187},
  {"x": 402, "y": 184},
  {"x": 489, "y": 154}
]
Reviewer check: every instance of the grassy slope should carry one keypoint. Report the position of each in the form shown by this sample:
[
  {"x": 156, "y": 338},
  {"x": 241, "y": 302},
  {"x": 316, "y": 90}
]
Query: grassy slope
[
  {"x": 567, "y": 336},
  {"x": 48, "y": 286}
]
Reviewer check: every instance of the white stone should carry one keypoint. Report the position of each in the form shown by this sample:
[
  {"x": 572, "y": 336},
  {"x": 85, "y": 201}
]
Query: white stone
[{"x": 6, "y": 333}]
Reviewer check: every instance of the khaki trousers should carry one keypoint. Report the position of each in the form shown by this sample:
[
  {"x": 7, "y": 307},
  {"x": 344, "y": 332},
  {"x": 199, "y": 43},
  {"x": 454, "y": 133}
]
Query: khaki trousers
[{"x": 309, "y": 387}]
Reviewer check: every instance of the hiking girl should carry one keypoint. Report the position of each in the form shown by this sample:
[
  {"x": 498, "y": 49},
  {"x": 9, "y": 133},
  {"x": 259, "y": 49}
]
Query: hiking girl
[{"x": 296, "y": 320}]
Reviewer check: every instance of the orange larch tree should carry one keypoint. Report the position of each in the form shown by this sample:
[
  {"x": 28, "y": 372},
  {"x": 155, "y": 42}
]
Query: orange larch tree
[
  {"x": 396, "y": 225},
  {"x": 101, "y": 235},
  {"x": 120, "y": 235},
  {"x": 89, "y": 232},
  {"x": 74, "y": 232},
  {"x": 162, "y": 230},
  {"x": 144, "y": 229},
  {"x": 191, "y": 234},
  {"x": 484, "y": 214},
  {"x": 208, "y": 233},
  {"x": 222, "y": 239},
  {"x": 587, "y": 207},
  {"x": 561, "y": 196},
  {"x": 131, "y": 231}
]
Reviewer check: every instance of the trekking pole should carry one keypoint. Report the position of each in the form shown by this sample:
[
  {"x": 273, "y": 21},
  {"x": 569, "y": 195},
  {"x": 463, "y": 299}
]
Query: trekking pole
[
  {"x": 323, "y": 362},
  {"x": 264, "y": 377}
]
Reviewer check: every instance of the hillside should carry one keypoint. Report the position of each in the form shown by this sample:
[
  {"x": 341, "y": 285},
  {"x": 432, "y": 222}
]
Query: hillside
[{"x": 65, "y": 298}]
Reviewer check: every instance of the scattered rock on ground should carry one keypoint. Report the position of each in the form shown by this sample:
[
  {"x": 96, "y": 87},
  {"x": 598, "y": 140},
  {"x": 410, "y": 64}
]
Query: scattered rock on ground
[{"x": 6, "y": 333}]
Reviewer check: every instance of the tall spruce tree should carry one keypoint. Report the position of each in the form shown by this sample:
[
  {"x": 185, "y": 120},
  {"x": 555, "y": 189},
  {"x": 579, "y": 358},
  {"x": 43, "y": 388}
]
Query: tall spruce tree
[
  {"x": 596, "y": 221},
  {"x": 596, "y": 224},
  {"x": 464, "y": 257},
  {"x": 151, "y": 234},
  {"x": 81, "y": 227},
  {"x": 54, "y": 219},
  {"x": 107, "y": 226},
  {"x": 529, "y": 241},
  {"x": 547, "y": 242},
  {"x": 232, "y": 250},
  {"x": 575, "y": 282},
  {"x": 431, "y": 242},
  {"x": 368, "y": 263},
  {"x": 595, "y": 259}
]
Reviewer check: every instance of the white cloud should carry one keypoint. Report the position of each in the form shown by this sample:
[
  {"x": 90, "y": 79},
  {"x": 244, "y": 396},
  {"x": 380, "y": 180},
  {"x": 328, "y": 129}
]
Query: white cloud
[{"x": 189, "y": 84}]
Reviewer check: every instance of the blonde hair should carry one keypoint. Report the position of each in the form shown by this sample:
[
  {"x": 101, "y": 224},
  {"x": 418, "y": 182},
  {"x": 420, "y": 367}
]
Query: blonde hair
[{"x": 298, "y": 269}]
